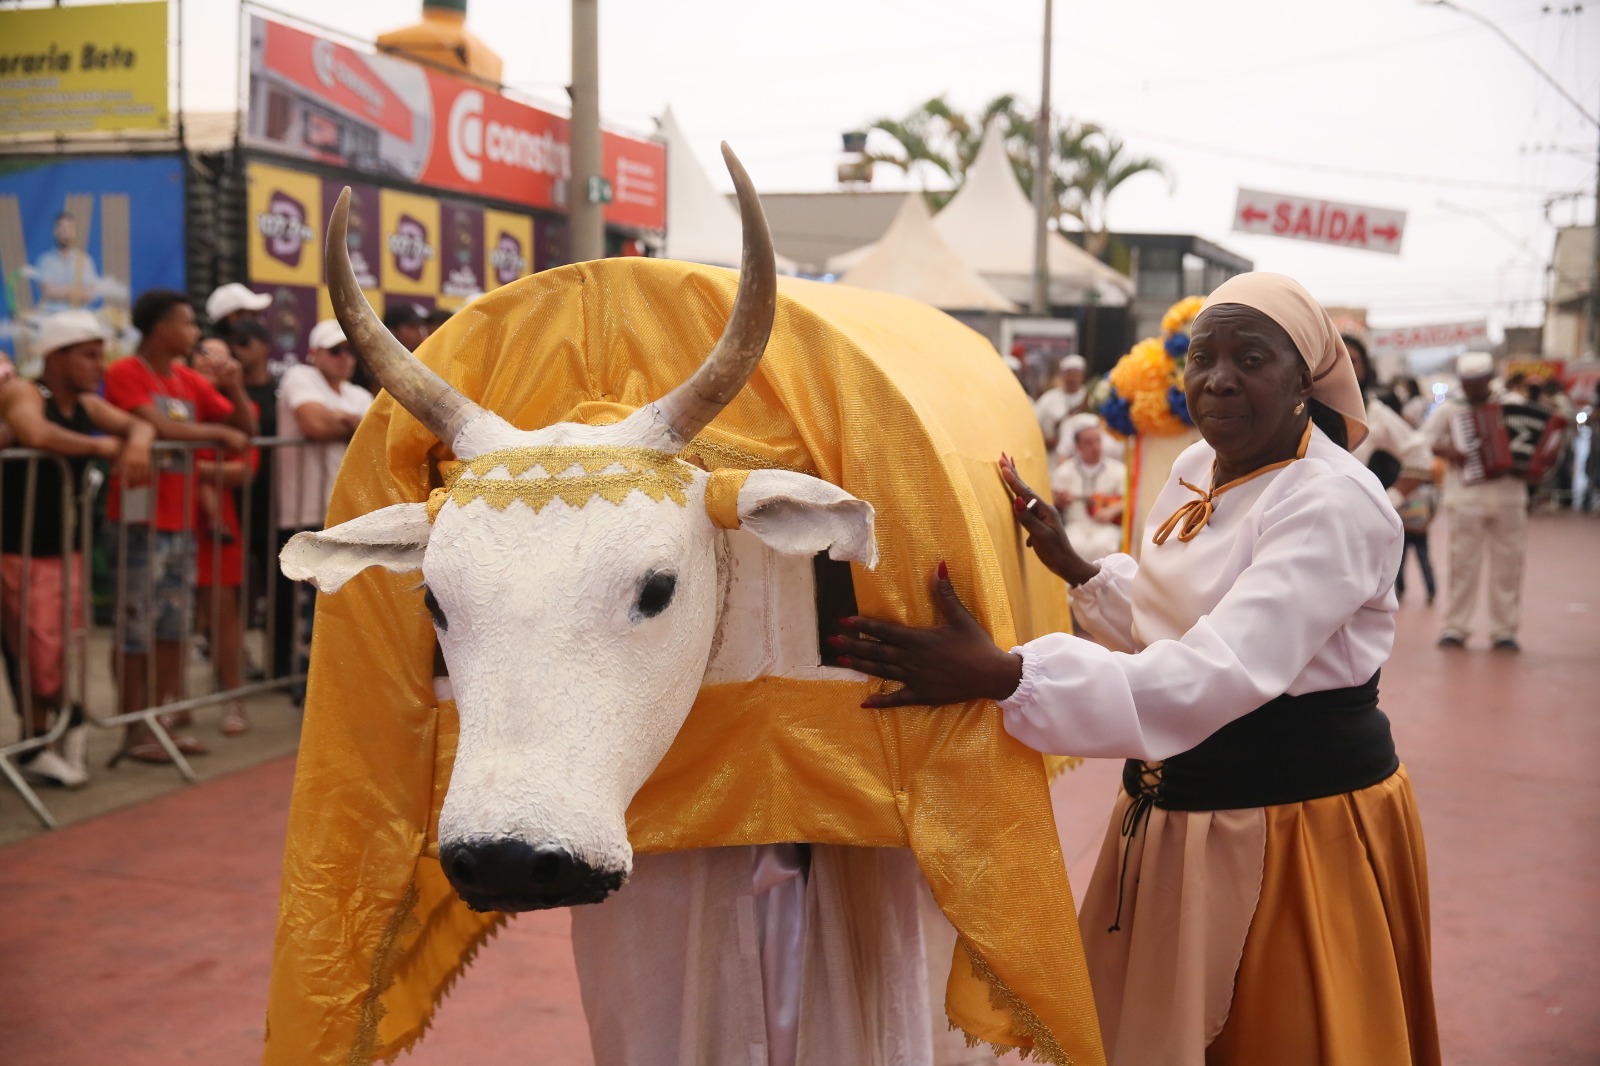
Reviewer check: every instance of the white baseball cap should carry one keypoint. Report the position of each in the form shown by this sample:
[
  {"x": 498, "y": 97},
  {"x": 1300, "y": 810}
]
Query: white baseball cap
[
  {"x": 234, "y": 297},
  {"x": 66, "y": 328},
  {"x": 326, "y": 335},
  {"x": 1474, "y": 365},
  {"x": 1074, "y": 362}
]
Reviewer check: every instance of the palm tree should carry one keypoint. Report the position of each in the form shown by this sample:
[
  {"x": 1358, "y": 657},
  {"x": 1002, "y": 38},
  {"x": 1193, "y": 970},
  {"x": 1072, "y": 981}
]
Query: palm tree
[
  {"x": 1087, "y": 163},
  {"x": 936, "y": 137},
  {"x": 1101, "y": 168}
]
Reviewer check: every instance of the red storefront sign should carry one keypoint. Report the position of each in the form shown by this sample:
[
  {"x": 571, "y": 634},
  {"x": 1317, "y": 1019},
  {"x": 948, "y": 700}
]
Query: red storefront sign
[{"x": 478, "y": 141}]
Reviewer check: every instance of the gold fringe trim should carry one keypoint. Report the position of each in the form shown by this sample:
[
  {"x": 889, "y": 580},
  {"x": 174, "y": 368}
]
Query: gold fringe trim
[
  {"x": 446, "y": 985},
  {"x": 382, "y": 977},
  {"x": 1025, "y": 1023},
  {"x": 658, "y": 475}
]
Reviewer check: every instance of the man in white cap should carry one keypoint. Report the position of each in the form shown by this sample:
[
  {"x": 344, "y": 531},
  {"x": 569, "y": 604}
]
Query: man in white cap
[
  {"x": 318, "y": 403},
  {"x": 1488, "y": 517},
  {"x": 233, "y": 303},
  {"x": 1067, "y": 397},
  {"x": 59, "y": 413}
]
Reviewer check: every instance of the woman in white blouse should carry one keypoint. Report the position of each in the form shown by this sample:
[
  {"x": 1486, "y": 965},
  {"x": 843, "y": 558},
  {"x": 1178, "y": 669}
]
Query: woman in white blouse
[{"x": 1261, "y": 897}]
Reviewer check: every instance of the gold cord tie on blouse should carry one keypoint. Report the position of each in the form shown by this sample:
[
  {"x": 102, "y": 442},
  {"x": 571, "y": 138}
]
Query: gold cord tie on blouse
[{"x": 1194, "y": 515}]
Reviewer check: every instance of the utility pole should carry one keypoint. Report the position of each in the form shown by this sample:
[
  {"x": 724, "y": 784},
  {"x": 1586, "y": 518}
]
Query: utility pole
[
  {"x": 586, "y": 191},
  {"x": 1042, "y": 182},
  {"x": 1592, "y": 330}
]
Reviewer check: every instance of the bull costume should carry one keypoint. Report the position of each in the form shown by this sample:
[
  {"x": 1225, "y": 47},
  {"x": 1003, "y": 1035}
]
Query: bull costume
[{"x": 891, "y": 402}]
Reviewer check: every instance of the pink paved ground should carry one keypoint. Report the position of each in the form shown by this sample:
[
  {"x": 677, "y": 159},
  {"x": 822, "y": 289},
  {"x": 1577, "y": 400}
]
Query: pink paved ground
[{"x": 142, "y": 937}]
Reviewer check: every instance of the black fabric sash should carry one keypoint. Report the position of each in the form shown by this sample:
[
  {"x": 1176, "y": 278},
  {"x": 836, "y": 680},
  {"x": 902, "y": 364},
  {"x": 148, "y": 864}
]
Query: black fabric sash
[{"x": 1293, "y": 749}]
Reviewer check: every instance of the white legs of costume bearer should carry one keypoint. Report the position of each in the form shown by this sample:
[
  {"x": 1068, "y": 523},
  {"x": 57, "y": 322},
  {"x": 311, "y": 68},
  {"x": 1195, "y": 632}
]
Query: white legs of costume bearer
[
  {"x": 741, "y": 957},
  {"x": 1500, "y": 532}
]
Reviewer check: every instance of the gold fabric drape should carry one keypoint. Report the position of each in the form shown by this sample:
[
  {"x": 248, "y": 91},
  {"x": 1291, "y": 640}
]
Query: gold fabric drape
[{"x": 892, "y": 400}]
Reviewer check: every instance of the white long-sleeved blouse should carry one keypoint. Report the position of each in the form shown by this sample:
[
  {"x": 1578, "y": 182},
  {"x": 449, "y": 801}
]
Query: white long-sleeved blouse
[{"x": 1287, "y": 589}]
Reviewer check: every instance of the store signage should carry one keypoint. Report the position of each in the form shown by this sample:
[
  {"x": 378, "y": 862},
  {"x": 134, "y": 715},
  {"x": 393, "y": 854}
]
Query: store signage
[
  {"x": 392, "y": 118},
  {"x": 1372, "y": 229},
  {"x": 1462, "y": 335},
  {"x": 81, "y": 69}
]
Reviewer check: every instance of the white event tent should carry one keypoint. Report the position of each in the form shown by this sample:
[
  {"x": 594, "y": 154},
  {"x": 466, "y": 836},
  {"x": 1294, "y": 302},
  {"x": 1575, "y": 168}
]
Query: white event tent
[
  {"x": 702, "y": 226},
  {"x": 990, "y": 225},
  {"x": 911, "y": 259}
]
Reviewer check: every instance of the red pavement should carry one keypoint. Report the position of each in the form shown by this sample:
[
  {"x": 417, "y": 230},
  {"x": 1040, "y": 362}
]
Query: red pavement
[{"x": 142, "y": 938}]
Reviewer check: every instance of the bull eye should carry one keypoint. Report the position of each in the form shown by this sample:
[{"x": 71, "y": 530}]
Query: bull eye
[
  {"x": 655, "y": 594},
  {"x": 434, "y": 609}
]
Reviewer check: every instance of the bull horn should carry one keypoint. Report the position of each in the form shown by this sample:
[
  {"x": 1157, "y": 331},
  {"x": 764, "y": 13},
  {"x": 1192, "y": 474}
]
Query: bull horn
[
  {"x": 688, "y": 408},
  {"x": 416, "y": 388}
]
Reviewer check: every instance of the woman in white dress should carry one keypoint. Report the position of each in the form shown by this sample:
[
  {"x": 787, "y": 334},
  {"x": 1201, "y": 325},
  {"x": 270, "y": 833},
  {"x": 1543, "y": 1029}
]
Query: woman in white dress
[{"x": 1261, "y": 897}]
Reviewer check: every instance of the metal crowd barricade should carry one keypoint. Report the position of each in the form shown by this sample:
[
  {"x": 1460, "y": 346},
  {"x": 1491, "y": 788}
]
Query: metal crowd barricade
[
  {"x": 75, "y": 528},
  {"x": 164, "y": 694}
]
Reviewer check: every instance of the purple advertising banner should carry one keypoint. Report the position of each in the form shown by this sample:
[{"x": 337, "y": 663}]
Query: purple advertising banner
[
  {"x": 364, "y": 240},
  {"x": 461, "y": 250}
]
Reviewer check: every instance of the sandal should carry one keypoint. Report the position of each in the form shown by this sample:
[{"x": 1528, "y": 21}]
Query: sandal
[
  {"x": 234, "y": 722},
  {"x": 146, "y": 751}
]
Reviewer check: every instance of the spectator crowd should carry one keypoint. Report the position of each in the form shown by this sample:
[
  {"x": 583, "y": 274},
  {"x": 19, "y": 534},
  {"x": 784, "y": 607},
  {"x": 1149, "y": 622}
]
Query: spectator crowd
[{"x": 214, "y": 455}]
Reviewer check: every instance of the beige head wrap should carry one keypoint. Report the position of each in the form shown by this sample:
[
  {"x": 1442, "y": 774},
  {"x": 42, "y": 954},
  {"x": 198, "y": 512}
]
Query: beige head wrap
[{"x": 1286, "y": 302}]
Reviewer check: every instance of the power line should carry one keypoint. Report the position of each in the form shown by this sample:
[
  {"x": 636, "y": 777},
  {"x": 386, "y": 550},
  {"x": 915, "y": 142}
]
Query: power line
[{"x": 1332, "y": 168}]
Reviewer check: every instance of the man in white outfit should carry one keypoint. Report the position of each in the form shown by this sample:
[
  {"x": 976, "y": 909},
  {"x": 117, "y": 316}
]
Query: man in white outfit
[
  {"x": 316, "y": 403},
  {"x": 1067, "y": 397},
  {"x": 1487, "y": 518}
]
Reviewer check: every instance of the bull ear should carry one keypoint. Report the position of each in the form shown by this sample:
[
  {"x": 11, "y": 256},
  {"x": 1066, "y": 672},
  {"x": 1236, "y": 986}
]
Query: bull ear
[
  {"x": 393, "y": 538},
  {"x": 801, "y": 515}
]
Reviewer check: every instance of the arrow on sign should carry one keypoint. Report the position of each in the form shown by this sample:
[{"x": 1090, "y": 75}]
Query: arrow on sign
[
  {"x": 1252, "y": 213},
  {"x": 1389, "y": 233}
]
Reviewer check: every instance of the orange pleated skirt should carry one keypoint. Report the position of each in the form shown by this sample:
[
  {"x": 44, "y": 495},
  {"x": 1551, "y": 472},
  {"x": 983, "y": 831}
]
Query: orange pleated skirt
[{"x": 1330, "y": 967}]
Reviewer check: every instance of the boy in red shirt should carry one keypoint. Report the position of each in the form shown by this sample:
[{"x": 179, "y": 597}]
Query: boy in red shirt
[{"x": 156, "y": 590}]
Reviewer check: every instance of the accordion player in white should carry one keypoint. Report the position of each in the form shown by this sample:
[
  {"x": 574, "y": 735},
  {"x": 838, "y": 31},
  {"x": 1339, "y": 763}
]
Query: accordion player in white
[{"x": 1492, "y": 450}]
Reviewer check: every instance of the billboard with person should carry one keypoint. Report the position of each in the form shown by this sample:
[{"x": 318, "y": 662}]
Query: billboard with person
[{"x": 90, "y": 234}]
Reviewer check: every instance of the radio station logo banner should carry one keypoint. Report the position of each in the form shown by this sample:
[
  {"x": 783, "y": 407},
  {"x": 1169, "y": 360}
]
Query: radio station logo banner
[
  {"x": 86, "y": 234},
  {"x": 285, "y": 225},
  {"x": 77, "y": 69},
  {"x": 508, "y": 243},
  {"x": 409, "y": 225},
  {"x": 388, "y": 117}
]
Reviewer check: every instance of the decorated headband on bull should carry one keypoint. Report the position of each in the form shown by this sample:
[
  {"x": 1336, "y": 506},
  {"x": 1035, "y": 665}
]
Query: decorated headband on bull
[{"x": 577, "y": 576}]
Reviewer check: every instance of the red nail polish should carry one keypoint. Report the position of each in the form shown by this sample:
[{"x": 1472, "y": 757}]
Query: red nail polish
[
  {"x": 944, "y": 571},
  {"x": 848, "y": 623},
  {"x": 835, "y": 642},
  {"x": 846, "y": 662},
  {"x": 1016, "y": 501},
  {"x": 869, "y": 705}
]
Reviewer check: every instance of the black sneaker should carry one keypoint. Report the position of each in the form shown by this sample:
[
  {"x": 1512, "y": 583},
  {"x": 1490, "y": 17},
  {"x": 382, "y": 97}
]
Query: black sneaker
[
  {"x": 1450, "y": 640},
  {"x": 1507, "y": 644}
]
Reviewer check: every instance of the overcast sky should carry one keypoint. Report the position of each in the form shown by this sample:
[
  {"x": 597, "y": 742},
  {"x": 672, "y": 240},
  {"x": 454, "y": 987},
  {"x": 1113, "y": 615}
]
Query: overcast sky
[{"x": 1391, "y": 103}]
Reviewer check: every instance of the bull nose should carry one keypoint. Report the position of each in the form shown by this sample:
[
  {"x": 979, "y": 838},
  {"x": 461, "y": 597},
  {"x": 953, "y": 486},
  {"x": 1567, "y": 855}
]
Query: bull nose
[{"x": 513, "y": 875}]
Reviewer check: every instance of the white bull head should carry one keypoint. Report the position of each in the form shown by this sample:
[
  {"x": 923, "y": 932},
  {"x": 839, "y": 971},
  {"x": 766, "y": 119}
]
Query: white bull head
[{"x": 576, "y": 576}]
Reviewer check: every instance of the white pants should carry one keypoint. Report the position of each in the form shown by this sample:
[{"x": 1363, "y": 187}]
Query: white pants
[
  {"x": 1498, "y": 530},
  {"x": 715, "y": 958}
]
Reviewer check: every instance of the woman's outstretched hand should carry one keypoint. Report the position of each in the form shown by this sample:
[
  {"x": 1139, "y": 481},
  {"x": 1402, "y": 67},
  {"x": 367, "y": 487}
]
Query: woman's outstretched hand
[
  {"x": 1047, "y": 535},
  {"x": 953, "y": 662}
]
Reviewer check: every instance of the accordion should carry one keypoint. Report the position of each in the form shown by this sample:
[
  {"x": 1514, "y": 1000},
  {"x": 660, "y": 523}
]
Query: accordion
[{"x": 1501, "y": 440}]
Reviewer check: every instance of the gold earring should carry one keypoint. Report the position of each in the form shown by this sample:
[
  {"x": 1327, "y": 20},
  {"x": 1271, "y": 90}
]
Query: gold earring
[{"x": 1300, "y": 407}]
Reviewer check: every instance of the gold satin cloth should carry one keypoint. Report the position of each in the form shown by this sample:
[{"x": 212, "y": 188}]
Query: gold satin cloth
[
  {"x": 897, "y": 403},
  {"x": 1337, "y": 967}
]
